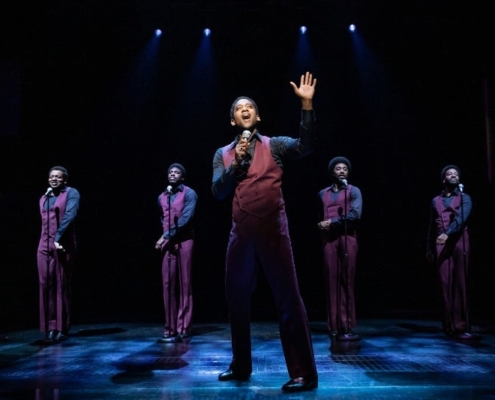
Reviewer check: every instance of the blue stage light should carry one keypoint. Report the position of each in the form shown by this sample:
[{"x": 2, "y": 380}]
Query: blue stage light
[
  {"x": 207, "y": 32},
  {"x": 158, "y": 32},
  {"x": 352, "y": 27},
  {"x": 303, "y": 29}
]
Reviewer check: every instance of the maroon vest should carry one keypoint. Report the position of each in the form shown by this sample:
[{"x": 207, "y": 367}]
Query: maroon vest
[
  {"x": 176, "y": 208},
  {"x": 445, "y": 215},
  {"x": 260, "y": 193},
  {"x": 50, "y": 219},
  {"x": 337, "y": 208}
]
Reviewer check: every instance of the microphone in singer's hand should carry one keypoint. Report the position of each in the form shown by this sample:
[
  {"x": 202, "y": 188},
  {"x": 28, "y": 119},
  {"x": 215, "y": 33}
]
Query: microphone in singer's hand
[
  {"x": 169, "y": 189},
  {"x": 461, "y": 187},
  {"x": 344, "y": 182},
  {"x": 48, "y": 191},
  {"x": 246, "y": 135}
]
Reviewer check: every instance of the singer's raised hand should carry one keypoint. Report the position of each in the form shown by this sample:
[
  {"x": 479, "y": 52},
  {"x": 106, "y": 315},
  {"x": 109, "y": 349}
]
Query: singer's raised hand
[{"x": 306, "y": 90}]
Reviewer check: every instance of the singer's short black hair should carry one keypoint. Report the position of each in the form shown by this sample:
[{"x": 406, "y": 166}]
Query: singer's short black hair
[
  {"x": 65, "y": 174},
  {"x": 179, "y": 166},
  {"x": 232, "y": 107},
  {"x": 445, "y": 169},
  {"x": 337, "y": 160}
]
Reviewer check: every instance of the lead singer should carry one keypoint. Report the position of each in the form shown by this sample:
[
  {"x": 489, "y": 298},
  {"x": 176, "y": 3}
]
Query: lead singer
[
  {"x": 250, "y": 170},
  {"x": 56, "y": 252}
]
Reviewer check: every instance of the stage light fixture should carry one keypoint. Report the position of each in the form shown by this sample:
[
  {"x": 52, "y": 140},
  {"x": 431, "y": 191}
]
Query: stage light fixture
[
  {"x": 352, "y": 28},
  {"x": 303, "y": 29},
  {"x": 207, "y": 32},
  {"x": 158, "y": 32}
]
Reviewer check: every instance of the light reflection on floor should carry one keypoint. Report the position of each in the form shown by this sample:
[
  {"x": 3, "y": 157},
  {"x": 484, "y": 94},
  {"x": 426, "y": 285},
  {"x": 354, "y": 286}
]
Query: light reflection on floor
[{"x": 395, "y": 359}]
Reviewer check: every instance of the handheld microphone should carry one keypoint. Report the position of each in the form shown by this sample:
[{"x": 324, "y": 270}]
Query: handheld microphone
[
  {"x": 169, "y": 189},
  {"x": 48, "y": 191},
  {"x": 461, "y": 187},
  {"x": 344, "y": 182},
  {"x": 246, "y": 135}
]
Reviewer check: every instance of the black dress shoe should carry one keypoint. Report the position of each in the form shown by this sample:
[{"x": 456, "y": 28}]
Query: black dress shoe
[
  {"x": 230, "y": 375},
  {"x": 301, "y": 384},
  {"x": 348, "y": 337},
  {"x": 169, "y": 339},
  {"x": 466, "y": 336},
  {"x": 60, "y": 337},
  {"x": 185, "y": 336},
  {"x": 49, "y": 338}
]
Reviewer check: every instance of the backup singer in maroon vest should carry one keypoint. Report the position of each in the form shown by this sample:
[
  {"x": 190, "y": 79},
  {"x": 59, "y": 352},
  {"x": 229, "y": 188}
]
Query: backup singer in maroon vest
[
  {"x": 448, "y": 245},
  {"x": 342, "y": 208},
  {"x": 177, "y": 244},
  {"x": 249, "y": 171},
  {"x": 56, "y": 252}
]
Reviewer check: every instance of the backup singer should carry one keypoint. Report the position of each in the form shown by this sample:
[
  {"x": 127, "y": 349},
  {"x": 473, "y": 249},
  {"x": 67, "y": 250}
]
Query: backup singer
[
  {"x": 342, "y": 208},
  {"x": 56, "y": 252},
  {"x": 177, "y": 205},
  {"x": 448, "y": 246}
]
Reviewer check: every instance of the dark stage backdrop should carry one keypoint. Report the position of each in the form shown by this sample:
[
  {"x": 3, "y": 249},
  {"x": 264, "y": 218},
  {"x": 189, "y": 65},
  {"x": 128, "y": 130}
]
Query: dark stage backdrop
[{"x": 101, "y": 96}]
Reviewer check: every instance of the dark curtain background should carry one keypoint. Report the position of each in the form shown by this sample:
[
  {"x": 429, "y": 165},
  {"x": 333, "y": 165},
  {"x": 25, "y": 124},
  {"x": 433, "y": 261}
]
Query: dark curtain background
[{"x": 84, "y": 84}]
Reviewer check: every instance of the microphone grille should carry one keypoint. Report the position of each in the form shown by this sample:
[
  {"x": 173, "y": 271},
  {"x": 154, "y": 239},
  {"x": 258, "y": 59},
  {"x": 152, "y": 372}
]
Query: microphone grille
[{"x": 246, "y": 134}]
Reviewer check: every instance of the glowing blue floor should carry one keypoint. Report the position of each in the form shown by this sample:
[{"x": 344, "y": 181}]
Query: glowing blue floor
[{"x": 396, "y": 359}]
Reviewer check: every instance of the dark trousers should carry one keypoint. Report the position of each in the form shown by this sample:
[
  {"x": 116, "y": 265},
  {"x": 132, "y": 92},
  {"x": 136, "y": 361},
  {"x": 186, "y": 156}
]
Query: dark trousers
[
  {"x": 452, "y": 259},
  {"x": 54, "y": 274},
  {"x": 178, "y": 317},
  {"x": 339, "y": 273},
  {"x": 266, "y": 242}
]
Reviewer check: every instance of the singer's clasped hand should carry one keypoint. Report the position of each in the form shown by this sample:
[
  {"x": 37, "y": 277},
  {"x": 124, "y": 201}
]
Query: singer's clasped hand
[{"x": 241, "y": 149}]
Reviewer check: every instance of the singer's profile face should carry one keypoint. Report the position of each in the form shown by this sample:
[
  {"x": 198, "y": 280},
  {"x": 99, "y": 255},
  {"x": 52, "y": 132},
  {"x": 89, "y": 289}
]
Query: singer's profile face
[
  {"x": 56, "y": 179},
  {"x": 452, "y": 176},
  {"x": 245, "y": 115},
  {"x": 175, "y": 175},
  {"x": 340, "y": 171}
]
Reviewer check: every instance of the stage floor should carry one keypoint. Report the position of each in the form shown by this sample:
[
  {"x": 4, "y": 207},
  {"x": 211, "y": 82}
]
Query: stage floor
[{"x": 395, "y": 359}]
